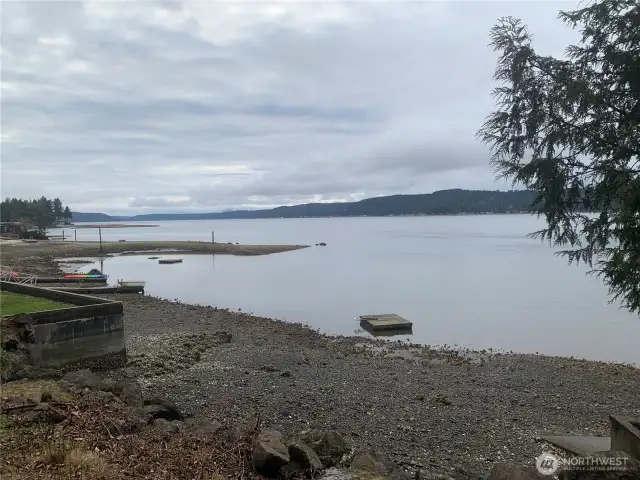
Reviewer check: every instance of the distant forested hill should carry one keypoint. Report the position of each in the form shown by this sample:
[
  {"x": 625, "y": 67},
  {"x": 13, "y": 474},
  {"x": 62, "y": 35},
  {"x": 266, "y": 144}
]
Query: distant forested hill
[{"x": 443, "y": 202}]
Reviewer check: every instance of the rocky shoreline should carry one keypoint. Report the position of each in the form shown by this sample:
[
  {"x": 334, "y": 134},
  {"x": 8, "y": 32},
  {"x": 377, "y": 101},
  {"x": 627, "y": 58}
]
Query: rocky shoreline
[
  {"x": 445, "y": 412},
  {"x": 472, "y": 408}
]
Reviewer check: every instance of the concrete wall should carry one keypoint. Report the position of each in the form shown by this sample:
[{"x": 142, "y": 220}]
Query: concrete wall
[
  {"x": 625, "y": 435},
  {"x": 89, "y": 334}
]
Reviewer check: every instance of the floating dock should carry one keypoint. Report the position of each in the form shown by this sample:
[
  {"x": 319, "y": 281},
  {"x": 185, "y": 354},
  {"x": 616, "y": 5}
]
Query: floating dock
[
  {"x": 168, "y": 261},
  {"x": 385, "y": 322}
]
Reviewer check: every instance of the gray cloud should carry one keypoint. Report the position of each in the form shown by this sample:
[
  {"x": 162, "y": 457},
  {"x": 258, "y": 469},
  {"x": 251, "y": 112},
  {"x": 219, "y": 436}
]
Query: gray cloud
[{"x": 201, "y": 106}]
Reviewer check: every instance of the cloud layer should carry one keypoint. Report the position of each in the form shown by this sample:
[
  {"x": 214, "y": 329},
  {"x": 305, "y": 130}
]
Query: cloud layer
[{"x": 205, "y": 106}]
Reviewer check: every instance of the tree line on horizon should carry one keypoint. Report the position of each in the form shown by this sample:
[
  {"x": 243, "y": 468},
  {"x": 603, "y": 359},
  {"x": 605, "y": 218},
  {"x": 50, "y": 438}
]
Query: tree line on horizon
[
  {"x": 443, "y": 202},
  {"x": 37, "y": 214}
]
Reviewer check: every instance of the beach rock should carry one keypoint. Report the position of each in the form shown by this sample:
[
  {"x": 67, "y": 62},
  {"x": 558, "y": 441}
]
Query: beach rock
[
  {"x": 15, "y": 366},
  {"x": 303, "y": 458},
  {"x": 510, "y": 471},
  {"x": 82, "y": 379},
  {"x": 130, "y": 393},
  {"x": 368, "y": 462},
  {"x": 222, "y": 337},
  {"x": 270, "y": 453},
  {"x": 162, "y": 408},
  {"x": 329, "y": 445},
  {"x": 44, "y": 413}
]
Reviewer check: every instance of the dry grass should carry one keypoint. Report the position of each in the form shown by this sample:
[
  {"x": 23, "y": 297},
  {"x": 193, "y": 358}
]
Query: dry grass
[
  {"x": 104, "y": 442},
  {"x": 34, "y": 389}
]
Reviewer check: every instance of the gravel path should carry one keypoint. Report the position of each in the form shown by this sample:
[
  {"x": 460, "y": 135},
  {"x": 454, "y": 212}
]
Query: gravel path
[{"x": 442, "y": 410}]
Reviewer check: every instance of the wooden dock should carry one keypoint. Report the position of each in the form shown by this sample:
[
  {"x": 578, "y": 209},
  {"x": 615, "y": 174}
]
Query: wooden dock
[
  {"x": 385, "y": 322},
  {"x": 102, "y": 290},
  {"x": 70, "y": 280}
]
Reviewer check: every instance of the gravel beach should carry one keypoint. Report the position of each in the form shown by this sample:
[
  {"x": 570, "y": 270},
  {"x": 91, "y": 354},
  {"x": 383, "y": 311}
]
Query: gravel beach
[{"x": 439, "y": 409}]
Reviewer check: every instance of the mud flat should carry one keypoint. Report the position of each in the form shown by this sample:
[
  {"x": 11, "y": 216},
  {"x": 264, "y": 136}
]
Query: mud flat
[{"x": 36, "y": 252}]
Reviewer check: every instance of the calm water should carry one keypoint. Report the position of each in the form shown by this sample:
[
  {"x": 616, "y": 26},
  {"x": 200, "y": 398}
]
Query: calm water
[{"x": 472, "y": 281}]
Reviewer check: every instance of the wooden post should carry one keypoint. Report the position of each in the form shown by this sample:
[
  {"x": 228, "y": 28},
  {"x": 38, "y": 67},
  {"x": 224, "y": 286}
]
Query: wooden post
[
  {"x": 213, "y": 238},
  {"x": 100, "y": 233},
  {"x": 75, "y": 235},
  {"x": 63, "y": 235}
]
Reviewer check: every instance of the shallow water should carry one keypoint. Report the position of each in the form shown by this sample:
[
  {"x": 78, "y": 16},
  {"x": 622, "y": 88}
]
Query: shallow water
[{"x": 471, "y": 281}]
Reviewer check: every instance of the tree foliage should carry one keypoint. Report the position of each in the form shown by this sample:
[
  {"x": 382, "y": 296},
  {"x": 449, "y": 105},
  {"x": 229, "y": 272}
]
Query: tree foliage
[
  {"x": 41, "y": 214},
  {"x": 569, "y": 129}
]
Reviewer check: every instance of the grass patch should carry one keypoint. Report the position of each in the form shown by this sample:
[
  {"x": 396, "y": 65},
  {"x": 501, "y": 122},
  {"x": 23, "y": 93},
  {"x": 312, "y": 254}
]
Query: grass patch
[
  {"x": 14, "y": 303},
  {"x": 33, "y": 390}
]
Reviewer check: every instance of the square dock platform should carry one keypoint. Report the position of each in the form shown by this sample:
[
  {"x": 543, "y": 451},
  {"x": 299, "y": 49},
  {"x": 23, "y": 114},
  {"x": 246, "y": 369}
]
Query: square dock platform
[{"x": 386, "y": 321}]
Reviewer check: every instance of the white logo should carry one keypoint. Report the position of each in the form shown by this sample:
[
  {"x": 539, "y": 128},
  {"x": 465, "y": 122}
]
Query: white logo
[{"x": 547, "y": 464}]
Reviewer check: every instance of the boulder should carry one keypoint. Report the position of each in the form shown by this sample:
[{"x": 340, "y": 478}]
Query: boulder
[
  {"x": 44, "y": 413},
  {"x": 303, "y": 457},
  {"x": 153, "y": 412},
  {"x": 82, "y": 379},
  {"x": 329, "y": 445},
  {"x": 130, "y": 392},
  {"x": 269, "y": 453},
  {"x": 367, "y": 461},
  {"x": 162, "y": 408},
  {"x": 510, "y": 471}
]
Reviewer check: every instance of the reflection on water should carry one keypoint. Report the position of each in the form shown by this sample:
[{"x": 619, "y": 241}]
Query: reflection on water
[{"x": 485, "y": 286}]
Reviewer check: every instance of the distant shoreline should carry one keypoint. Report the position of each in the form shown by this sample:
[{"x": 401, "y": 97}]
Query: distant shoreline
[
  {"x": 108, "y": 225},
  {"x": 126, "y": 225}
]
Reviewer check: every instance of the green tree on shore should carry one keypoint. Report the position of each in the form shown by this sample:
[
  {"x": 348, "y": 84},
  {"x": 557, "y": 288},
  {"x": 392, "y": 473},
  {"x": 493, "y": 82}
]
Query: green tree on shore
[
  {"x": 40, "y": 214},
  {"x": 569, "y": 129}
]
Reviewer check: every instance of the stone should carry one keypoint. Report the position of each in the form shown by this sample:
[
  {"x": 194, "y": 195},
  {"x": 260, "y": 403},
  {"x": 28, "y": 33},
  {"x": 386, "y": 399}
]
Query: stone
[
  {"x": 169, "y": 409},
  {"x": 167, "y": 426},
  {"x": 303, "y": 456},
  {"x": 222, "y": 336},
  {"x": 204, "y": 428},
  {"x": 131, "y": 393},
  {"x": 510, "y": 471},
  {"x": 368, "y": 462},
  {"x": 110, "y": 385},
  {"x": 329, "y": 445},
  {"x": 44, "y": 413},
  {"x": 82, "y": 379},
  {"x": 153, "y": 412},
  {"x": 286, "y": 373},
  {"x": 270, "y": 453}
]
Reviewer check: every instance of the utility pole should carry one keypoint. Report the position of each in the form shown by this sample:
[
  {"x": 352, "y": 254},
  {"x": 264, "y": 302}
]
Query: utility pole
[{"x": 100, "y": 233}]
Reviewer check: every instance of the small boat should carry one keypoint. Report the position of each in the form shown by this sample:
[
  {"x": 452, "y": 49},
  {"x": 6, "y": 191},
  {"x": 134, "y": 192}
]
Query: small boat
[{"x": 168, "y": 261}]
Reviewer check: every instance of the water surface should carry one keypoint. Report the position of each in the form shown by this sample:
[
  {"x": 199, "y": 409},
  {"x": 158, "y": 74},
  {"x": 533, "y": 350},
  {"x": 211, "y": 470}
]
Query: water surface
[{"x": 472, "y": 281}]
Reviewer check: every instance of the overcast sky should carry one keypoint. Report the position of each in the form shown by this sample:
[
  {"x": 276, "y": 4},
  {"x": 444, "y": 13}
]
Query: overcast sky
[{"x": 140, "y": 106}]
